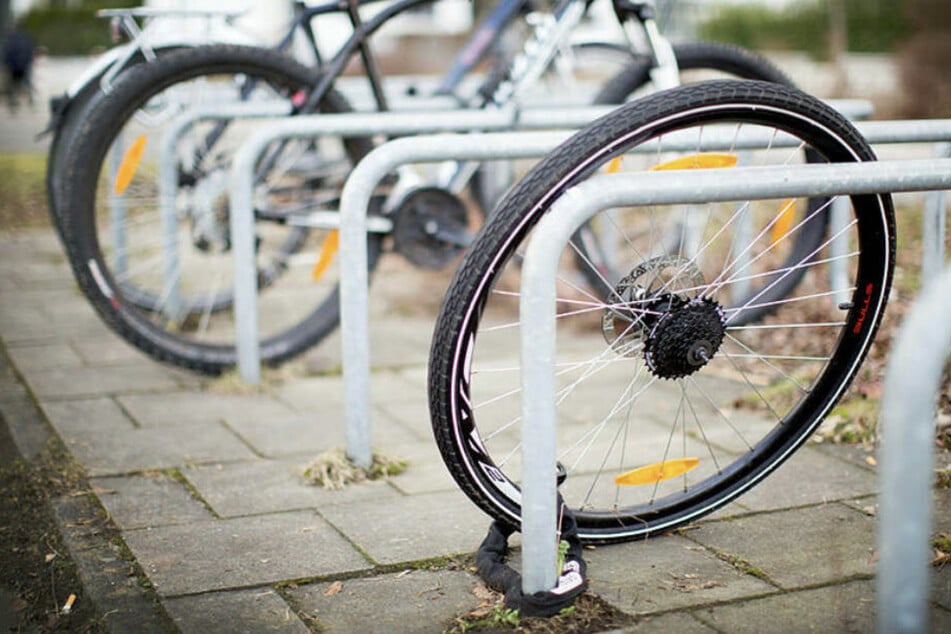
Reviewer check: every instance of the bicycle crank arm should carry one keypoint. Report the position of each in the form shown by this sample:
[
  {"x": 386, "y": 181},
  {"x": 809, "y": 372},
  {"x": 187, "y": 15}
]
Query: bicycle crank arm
[{"x": 457, "y": 237}]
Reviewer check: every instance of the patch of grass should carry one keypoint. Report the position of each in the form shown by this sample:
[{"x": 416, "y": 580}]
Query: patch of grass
[
  {"x": 334, "y": 470},
  {"x": 852, "y": 422},
  {"x": 743, "y": 566},
  {"x": 589, "y": 614},
  {"x": 942, "y": 478},
  {"x": 942, "y": 549},
  {"x": 23, "y": 192}
]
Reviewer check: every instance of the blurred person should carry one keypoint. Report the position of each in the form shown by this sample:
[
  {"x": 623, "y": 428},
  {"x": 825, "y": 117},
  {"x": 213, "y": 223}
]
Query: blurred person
[{"x": 18, "y": 59}]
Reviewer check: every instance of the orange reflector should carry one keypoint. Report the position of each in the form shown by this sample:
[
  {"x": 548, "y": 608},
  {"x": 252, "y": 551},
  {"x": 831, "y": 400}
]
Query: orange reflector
[
  {"x": 614, "y": 165},
  {"x": 327, "y": 252},
  {"x": 129, "y": 165},
  {"x": 656, "y": 472},
  {"x": 697, "y": 161},
  {"x": 784, "y": 221}
]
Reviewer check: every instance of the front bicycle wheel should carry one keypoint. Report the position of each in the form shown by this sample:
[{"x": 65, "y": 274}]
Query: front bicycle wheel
[
  {"x": 146, "y": 207},
  {"x": 649, "y": 367}
]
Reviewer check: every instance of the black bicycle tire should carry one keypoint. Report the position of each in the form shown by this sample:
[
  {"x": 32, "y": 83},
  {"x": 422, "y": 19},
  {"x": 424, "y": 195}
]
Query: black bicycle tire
[
  {"x": 105, "y": 114},
  {"x": 66, "y": 121},
  {"x": 743, "y": 64},
  {"x": 454, "y": 424}
]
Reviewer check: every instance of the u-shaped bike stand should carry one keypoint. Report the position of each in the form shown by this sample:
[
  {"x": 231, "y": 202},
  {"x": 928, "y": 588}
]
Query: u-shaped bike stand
[
  {"x": 538, "y": 396},
  {"x": 906, "y": 472}
]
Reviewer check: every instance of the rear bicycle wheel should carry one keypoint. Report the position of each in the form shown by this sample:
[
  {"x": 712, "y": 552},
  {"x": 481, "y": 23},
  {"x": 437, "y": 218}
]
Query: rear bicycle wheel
[
  {"x": 703, "y": 61},
  {"x": 647, "y": 379},
  {"x": 159, "y": 270}
]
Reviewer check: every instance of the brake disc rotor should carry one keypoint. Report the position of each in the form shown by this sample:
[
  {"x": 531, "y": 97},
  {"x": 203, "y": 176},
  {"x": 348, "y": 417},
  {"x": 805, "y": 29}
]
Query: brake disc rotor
[{"x": 651, "y": 288}]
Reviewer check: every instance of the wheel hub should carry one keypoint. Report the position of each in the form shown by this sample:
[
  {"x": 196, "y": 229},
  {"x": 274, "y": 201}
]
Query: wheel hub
[
  {"x": 685, "y": 338},
  {"x": 656, "y": 311}
]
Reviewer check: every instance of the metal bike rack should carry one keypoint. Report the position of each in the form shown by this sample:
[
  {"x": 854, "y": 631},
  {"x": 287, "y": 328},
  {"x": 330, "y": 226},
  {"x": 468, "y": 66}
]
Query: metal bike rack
[
  {"x": 912, "y": 381},
  {"x": 537, "y": 304},
  {"x": 357, "y": 124},
  {"x": 381, "y": 161}
]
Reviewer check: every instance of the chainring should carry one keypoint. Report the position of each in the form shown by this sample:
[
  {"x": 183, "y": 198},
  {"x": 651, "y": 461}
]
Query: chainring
[{"x": 429, "y": 227}]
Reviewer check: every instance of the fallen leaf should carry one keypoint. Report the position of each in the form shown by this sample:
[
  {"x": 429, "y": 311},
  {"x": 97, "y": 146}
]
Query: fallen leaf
[
  {"x": 334, "y": 588},
  {"x": 50, "y": 557}
]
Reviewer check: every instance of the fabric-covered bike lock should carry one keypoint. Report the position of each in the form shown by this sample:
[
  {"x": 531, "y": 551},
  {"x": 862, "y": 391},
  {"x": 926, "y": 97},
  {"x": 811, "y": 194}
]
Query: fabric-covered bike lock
[{"x": 572, "y": 580}]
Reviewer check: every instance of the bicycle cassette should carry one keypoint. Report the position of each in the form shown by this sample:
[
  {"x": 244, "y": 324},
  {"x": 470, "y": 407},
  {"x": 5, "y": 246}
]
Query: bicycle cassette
[{"x": 430, "y": 227}]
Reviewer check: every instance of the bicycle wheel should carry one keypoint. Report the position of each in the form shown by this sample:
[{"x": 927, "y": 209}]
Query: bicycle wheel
[
  {"x": 161, "y": 276},
  {"x": 700, "y": 62},
  {"x": 646, "y": 380},
  {"x": 66, "y": 116}
]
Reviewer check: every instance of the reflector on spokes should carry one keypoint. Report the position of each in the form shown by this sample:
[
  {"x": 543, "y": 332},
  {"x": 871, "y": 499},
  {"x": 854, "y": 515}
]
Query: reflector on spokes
[
  {"x": 328, "y": 249},
  {"x": 129, "y": 165},
  {"x": 784, "y": 221},
  {"x": 657, "y": 472},
  {"x": 697, "y": 162}
]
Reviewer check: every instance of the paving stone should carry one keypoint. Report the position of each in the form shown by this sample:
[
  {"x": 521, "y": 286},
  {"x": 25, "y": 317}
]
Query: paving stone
[
  {"x": 413, "y": 415},
  {"x": 394, "y": 343},
  {"x": 277, "y": 486},
  {"x": 34, "y": 271},
  {"x": 100, "y": 381},
  {"x": 124, "y": 603},
  {"x": 74, "y": 319},
  {"x": 313, "y": 394},
  {"x": 323, "y": 393},
  {"x": 237, "y": 612},
  {"x": 108, "y": 349},
  {"x": 25, "y": 424},
  {"x": 809, "y": 477},
  {"x": 44, "y": 357},
  {"x": 25, "y": 324},
  {"x": 426, "y": 471},
  {"x": 665, "y": 573},
  {"x": 846, "y": 607},
  {"x": 810, "y": 546},
  {"x": 308, "y": 436},
  {"x": 246, "y": 551},
  {"x": 148, "y": 500},
  {"x": 111, "y": 452},
  {"x": 678, "y": 622},
  {"x": 856, "y": 454},
  {"x": 940, "y": 523},
  {"x": 412, "y": 528},
  {"x": 189, "y": 408},
  {"x": 11, "y": 388},
  {"x": 416, "y": 602},
  {"x": 74, "y": 418}
]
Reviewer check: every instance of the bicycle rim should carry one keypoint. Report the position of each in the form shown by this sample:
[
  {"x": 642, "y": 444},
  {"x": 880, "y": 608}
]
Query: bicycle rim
[{"x": 648, "y": 380}]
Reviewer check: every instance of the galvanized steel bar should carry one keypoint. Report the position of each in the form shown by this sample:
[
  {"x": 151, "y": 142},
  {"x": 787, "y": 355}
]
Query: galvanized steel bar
[
  {"x": 354, "y": 201},
  {"x": 912, "y": 379},
  {"x": 168, "y": 190},
  {"x": 537, "y": 302},
  {"x": 486, "y": 120},
  {"x": 934, "y": 227},
  {"x": 354, "y": 124}
]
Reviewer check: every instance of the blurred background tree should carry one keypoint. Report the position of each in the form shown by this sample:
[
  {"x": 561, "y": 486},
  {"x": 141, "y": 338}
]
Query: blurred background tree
[
  {"x": 71, "y": 28},
  {"x": 870, "y": 26},
  {"x": 924, "y": 59}
]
